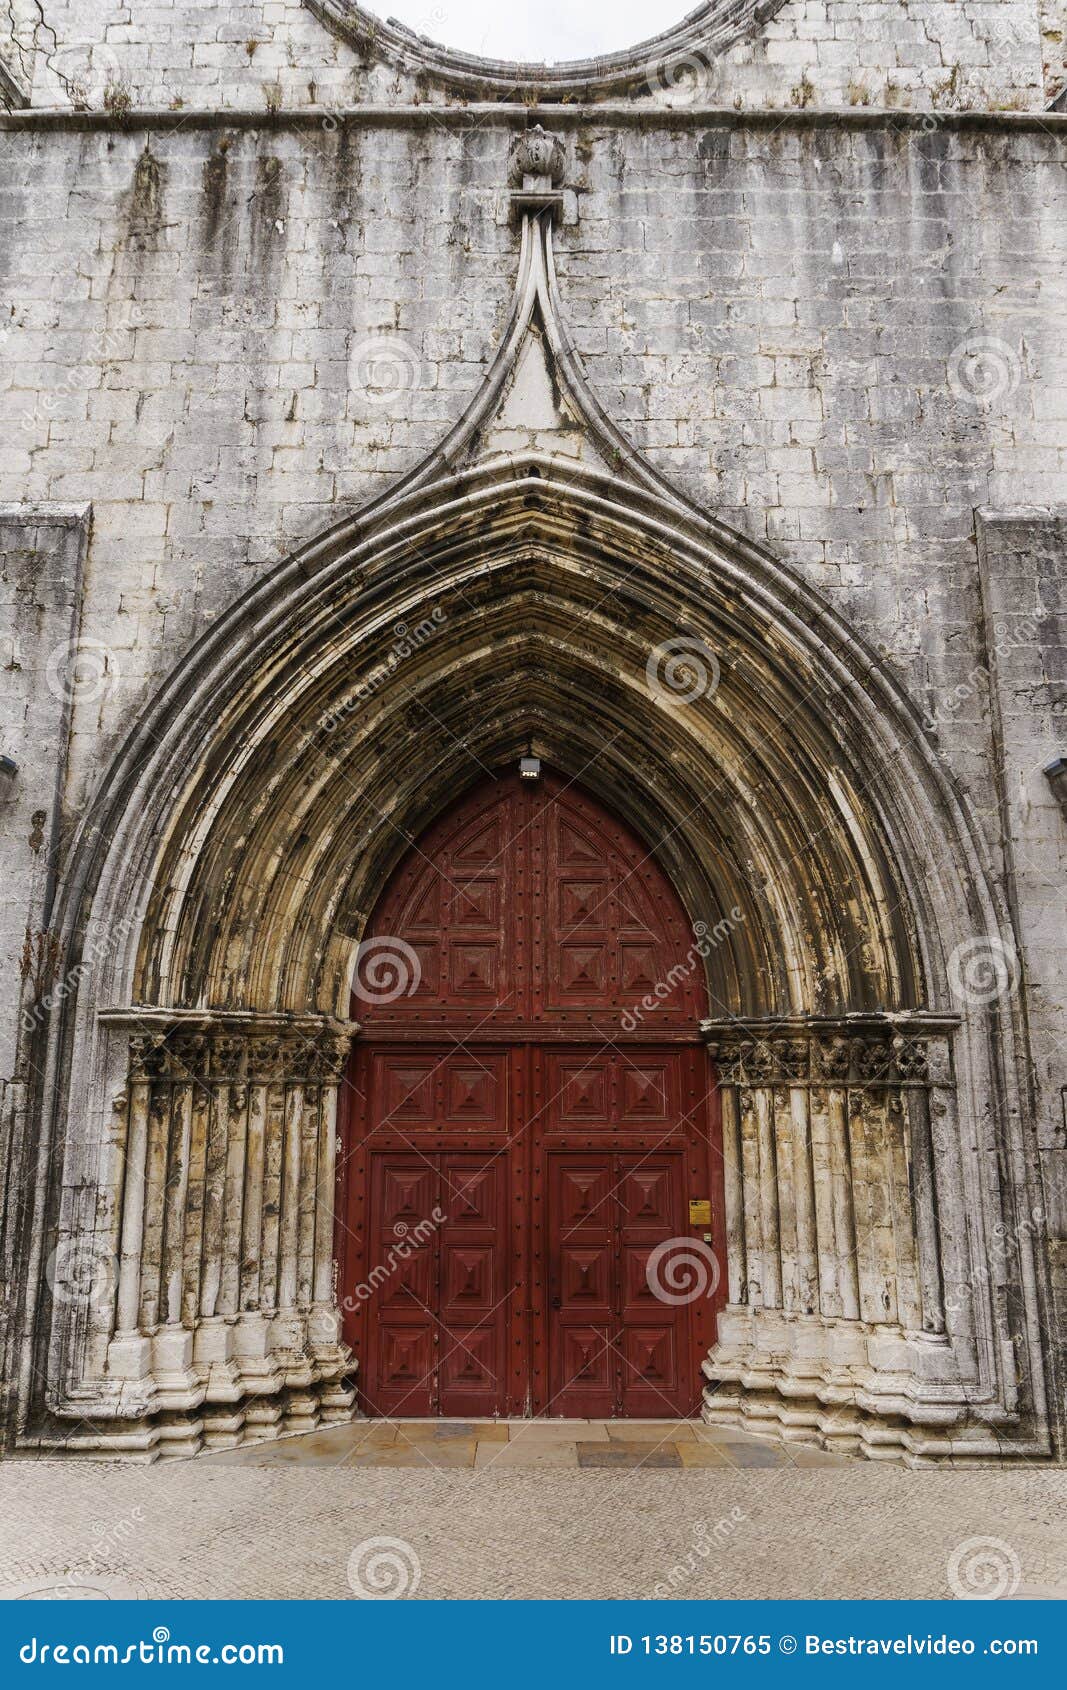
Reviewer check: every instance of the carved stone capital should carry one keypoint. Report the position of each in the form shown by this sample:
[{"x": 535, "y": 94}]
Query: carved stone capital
[
  {"x": 852, "y": 1051},
  {"x": 537, "y": 159},
  {"x": 217, "y": 1048}
]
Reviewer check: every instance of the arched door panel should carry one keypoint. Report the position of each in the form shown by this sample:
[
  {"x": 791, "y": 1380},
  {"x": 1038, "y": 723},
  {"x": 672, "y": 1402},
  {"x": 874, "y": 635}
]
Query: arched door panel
[{"x": 518, "y": 1169}]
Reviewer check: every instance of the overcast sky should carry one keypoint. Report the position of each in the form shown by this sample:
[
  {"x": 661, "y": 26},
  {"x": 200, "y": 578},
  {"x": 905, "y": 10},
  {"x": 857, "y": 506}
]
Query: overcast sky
[{"x": 534, "y": 29}]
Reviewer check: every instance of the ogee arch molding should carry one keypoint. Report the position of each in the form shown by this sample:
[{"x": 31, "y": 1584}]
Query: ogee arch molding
[
  {"x": 534, "y": 581},
  {"x": 250, "y": 823}
]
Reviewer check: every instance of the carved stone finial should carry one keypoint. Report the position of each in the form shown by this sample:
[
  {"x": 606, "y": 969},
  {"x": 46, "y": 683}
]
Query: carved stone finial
[{"x": 536, "y": 154}]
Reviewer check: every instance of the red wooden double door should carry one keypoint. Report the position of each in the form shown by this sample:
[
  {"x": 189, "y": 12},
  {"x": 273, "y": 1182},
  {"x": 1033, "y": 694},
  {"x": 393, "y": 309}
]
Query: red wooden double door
[{"x": 522, "y": 1140}]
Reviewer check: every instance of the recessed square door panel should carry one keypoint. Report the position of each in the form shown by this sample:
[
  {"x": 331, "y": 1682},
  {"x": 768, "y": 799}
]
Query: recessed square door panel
[
  {"x": 405, "y": 1361},
  {"x": 583, "y": 1192},
  {"x": 408, "y": 1194},
  {"x": 470, "y": 1372},
  {"x": 473, "y": 971},
  {"x": 475, "y": 1091},
  {"x": 407, "y": 1091},
  {"x": 649, "y": 1196},
  {"x": 585, "y": 1273},
  {"x": 408, "y": 1283},
  {"x": 638, "y": 967},
  {"x": 650, "y": 1364},
  {"x": 476, "y": 904},
  {"x": 586, "y": 1367},
  {"x": 579, "y": 1090},
  {"x": 584, "y": 907},
  {"x": 582, "y": 971},
  {"x": 472, "y": 1193},
  {"x": 646, "y": 1091},
  {"x": 467, "y": 1281}
]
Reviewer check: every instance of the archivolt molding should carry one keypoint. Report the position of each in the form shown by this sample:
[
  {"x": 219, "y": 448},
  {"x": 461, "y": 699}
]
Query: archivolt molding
[
  {"x": 530, "y": 583},
  {"x": 651, "y": 68}
]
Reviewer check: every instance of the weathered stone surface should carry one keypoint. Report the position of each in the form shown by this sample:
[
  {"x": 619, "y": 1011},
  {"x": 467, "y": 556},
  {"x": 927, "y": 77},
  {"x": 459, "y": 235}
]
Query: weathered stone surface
[{"x": 388, "y": 474}]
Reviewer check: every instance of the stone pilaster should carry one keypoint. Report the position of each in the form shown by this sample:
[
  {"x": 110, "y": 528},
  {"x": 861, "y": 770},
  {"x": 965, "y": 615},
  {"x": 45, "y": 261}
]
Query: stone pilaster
[
  {"x": 225, "y": 1316},
  {"x": 836, "y": 1293}
]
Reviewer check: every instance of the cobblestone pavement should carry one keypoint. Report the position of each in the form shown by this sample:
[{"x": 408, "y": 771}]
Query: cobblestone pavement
[{"x": 537, "y": 1511}]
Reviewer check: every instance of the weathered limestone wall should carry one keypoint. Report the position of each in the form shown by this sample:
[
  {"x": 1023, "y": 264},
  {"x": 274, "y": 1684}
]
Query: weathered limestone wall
[
  {"x": 842, "y": 337},
  {"x": 941, "y": 54},
  {"x": 843, "y": 340},
  {"x": 1023, "y": 557}
]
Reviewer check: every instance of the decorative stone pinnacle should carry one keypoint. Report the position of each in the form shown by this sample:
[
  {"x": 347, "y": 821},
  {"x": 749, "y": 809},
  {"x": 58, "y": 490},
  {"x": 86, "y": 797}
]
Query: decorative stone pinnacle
[
  {"x": 537, "y": 160},
  {"x": 535, "y": 171}
]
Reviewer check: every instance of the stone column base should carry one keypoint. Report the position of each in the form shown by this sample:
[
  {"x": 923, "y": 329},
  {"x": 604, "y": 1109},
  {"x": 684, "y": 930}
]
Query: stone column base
[{"x": 873, "y": 1391}]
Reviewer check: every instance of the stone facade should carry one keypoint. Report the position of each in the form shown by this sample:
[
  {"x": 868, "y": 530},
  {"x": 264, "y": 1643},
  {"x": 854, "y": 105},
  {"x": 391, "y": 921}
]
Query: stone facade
[{"x": 779, "y": 326}]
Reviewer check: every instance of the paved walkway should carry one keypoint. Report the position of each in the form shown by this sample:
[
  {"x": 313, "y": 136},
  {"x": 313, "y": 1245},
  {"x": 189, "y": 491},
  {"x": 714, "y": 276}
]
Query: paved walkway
[
  {"x": 482, "y": 1444},
  {"x": 543, "y": 1510}
]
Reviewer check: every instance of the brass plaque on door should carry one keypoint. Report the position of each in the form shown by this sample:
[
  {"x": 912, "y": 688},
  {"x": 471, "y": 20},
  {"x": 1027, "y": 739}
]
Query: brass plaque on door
[{"x": 699, "y": 1211}]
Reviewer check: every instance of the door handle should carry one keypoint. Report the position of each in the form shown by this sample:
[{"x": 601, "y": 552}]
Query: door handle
[{"x": 556, "y": 1303}]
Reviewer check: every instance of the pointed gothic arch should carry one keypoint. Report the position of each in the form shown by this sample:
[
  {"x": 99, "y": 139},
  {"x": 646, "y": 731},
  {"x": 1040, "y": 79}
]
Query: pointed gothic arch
[{"x": 529, "y": 585}]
